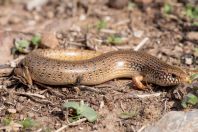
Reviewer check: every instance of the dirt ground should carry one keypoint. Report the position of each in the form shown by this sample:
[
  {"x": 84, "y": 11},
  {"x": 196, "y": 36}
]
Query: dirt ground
[{"x": 88, "y": 24}]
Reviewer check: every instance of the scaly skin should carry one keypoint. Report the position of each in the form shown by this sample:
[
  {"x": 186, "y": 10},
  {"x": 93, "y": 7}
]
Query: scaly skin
[{"x": 62, "y": 67}]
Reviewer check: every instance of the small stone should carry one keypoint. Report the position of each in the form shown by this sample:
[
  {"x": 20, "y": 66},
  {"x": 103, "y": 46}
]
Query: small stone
[
  {"x": 50, "y": 14},
  {"x": 49, "y": 40},
  {"x": 35, "y": 4},
  {"x": 118, "y": 4},
  {"x": 22, "y": 99},
  {"x": 30, "y": 114},
  {"x": 19, "y": 107},
  {"x": 11, "y": 111},
  {"x": 188, "y": 59},
  {"x": 192, "y": 35},
  {"x": 138, "y": 33},
  {"x": 82, "y": 17},
  {"x": 21, "y": 117},
  {"x": 144, "y": 1},
  {"x": 176, "y": 121},
  {"x": 80, "y": 128}
]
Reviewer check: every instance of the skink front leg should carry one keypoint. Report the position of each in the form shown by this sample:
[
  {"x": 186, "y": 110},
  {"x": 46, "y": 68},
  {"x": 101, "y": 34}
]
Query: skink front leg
[{"x": 137, "y": 80}]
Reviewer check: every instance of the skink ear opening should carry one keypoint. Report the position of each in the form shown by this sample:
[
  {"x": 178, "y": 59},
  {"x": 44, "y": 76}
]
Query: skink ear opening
[{"x": 20, "y": 65}]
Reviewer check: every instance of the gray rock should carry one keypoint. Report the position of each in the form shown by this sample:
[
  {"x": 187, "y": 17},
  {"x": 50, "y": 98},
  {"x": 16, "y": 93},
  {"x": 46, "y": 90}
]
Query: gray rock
[{"x": 176, "y": 121}]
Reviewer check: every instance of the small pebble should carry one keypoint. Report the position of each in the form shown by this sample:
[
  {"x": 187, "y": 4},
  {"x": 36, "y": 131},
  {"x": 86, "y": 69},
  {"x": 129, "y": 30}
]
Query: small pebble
[
  {"x": 49, "y": 40},
  {"x": 188, "y": 59},
  {"x": 144, "y": 1},
  {"x": 30, "y": 114},
  {"x": 176, "y": 121},
  {"x": 21, "y": 99},
  {"x": 11, "y": 111},
  {"x": 118, "y": 4},
  {"x": 31, "y": 4},
  {"x": 192, "y": 35},
  {"x": 19, "y": 107}
]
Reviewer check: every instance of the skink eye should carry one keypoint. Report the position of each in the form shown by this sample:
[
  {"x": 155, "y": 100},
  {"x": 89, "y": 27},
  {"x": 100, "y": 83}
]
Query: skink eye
[{"x": 173, "y": 75}]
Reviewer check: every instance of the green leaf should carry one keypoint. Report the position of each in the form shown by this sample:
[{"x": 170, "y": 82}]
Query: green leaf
[
  {"x": 22, "y": 45},
  {"x": 6, "y": 121},
  {"x": 195, "y": 23},
  {"x": 114, "y": 39},
  {"x": 28, "y": 123},
  {"x": 194, "y": 77},
  {"x": 189, "y": 99},
  {"x": 131, "y": 5},
  {"x": 192, "y": 99},
  {"x": 36, "y": 40},
  {"x": 196, "y": 49},
  {"x": 167, "y": 8},
  {"x": 101, "y": 24},
  {"x": 73, "y": 105},
  {"x": 127, "y": 115},
  {"x": 192, "y": 11},
  {"x": 82, "y": 110}
]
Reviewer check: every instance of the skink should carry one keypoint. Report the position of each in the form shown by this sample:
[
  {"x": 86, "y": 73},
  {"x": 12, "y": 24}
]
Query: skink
[{"x": 62, "y": 67}]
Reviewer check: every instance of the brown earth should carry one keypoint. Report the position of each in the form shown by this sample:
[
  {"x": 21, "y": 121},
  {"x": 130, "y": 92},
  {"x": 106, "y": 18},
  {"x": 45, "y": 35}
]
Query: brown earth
[{"x": 65, "y": 24}]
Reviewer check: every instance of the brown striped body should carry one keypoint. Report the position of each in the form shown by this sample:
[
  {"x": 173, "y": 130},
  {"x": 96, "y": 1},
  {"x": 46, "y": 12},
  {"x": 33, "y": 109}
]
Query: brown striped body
[{"x": 61, "y": 67}]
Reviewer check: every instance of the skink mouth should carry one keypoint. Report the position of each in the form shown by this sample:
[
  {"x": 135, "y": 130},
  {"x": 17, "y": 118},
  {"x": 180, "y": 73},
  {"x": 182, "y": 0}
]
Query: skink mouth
[{"x": 187, "y": 80}]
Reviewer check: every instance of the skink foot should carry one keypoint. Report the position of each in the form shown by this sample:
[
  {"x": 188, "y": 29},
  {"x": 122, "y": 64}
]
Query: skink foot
[{"x": 137, "y": 80}]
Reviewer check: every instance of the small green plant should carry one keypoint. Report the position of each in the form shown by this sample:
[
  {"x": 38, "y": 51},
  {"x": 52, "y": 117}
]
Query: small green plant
[
  {"x": 101, "y": 24},
  {"x": 196, "y": 50},
  {"x": 82, "y": 110},
  {"x": 6, "y": 121},
  {"x": 127, "y": 115},
  {"x": 192, "y": 11},
  {"x": 28, "y": 123},
  {"x": 167, "y": 8},
  {"x": 194, "y": 77},
  {"x": 36, "y": 40},
  {"x": 24, "y": 46},
  {"x": 189, "y": 99},
  {"x": 113, "y": 39},
  {"x": 195, "y": 24},
  {"x": 131, "y": 5}
]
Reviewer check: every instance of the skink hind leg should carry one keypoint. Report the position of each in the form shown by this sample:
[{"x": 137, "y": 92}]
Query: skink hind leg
[
  {"x": 137, "y": 80},
  {"x": 24, "y": 76}
]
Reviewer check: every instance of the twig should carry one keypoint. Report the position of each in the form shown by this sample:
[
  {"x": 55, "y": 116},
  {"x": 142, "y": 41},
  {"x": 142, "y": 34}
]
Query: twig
[
  {"x": 141, "y": 44},
  {"x": 6, "y": 69},
  {"x": 122, "y": 47},
  {"x": 31, "y": 94},
  {"x": 92, "y": 89},
  {"x": 165, "y": 105},
  {"x": 147, "y": 95},
  {"x": 71, "y": 124},
  {"x": 108, "y": 31},
  {"x": 51, "y": 90},
  {"x": 142, "y": 128},
  {"x": 122, "y": 22}
]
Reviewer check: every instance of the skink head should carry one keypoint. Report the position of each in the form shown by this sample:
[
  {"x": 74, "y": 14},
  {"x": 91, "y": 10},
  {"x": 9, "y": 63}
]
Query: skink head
[{"x": 170, "y": 77}]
